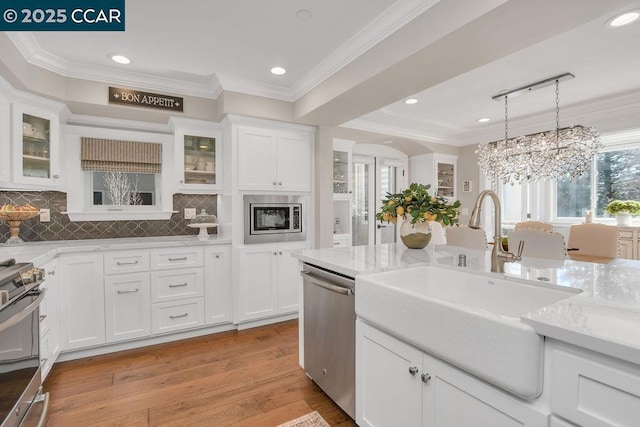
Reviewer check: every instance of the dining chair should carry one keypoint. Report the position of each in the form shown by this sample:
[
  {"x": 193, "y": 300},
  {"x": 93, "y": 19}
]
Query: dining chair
[
  {"x": 437, "y": 233},
  {"x": 533, "y": 224},
  {"x": 467, "y": 237},
  {"x": 594, "y": 239},
  {"x": 538, "y": 243}
]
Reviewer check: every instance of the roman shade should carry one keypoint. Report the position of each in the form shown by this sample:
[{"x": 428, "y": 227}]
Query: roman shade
[{"x": 108, "y": 155}]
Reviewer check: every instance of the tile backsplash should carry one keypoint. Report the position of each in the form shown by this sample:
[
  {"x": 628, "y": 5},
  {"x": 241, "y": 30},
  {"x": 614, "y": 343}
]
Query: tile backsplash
[{"x": 61, "y": 228}]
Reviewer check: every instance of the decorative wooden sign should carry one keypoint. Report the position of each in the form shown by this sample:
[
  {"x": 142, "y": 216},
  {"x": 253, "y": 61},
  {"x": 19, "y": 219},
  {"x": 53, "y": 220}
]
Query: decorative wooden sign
[{"x": 137, "y": 98}]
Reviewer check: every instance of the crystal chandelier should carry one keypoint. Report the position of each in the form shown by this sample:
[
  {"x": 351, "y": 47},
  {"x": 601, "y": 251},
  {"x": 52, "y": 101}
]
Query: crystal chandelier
[{"x": 553, "y": 154}]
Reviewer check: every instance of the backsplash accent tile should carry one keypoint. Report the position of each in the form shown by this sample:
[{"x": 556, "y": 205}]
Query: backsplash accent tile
[{"x": 61, "y": 228}]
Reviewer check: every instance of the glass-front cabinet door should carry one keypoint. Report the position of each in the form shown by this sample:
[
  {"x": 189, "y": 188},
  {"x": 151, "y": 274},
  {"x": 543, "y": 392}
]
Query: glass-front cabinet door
[
  {"x": 35, "y": 146},
  {"x": 341, "y": 173},
  {"x": 198, "y": 156},
  {"x": 446, "y": 179}
]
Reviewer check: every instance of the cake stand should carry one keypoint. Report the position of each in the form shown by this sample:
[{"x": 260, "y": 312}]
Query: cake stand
[
  {"x": 14, "y": 219},
  {"x": 203, "y": 235}
]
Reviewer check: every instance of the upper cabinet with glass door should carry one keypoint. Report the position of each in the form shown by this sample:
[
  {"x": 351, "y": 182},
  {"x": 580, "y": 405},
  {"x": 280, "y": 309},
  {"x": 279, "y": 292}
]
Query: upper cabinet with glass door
[
  {"x": 198, "y": 159},
  {"x": 342, "y": 161},
  {"x": 35, "y": 147}
]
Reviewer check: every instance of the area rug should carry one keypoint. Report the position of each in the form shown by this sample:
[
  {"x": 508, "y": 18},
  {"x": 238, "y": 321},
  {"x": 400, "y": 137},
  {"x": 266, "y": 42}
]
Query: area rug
[{"x": 314, "y": 419}]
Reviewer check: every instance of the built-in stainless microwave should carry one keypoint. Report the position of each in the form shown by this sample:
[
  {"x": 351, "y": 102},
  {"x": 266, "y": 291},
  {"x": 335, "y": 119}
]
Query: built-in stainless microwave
[{"x": 274, "y": 219}]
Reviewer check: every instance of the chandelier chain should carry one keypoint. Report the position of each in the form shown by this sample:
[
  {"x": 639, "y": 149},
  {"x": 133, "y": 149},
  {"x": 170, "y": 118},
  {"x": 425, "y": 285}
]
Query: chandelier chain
[
  {"x": 557, "y": 105},
  {"x": 506, "y": 117}
]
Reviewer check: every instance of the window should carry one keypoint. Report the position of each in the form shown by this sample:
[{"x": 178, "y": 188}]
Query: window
[
  {"x": 124, "y": 189},
  {"x": 616, "y": 177}
]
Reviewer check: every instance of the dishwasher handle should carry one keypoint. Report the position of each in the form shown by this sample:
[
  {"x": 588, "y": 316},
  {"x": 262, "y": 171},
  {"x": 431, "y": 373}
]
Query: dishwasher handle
[{"x": 326, "y": 285}]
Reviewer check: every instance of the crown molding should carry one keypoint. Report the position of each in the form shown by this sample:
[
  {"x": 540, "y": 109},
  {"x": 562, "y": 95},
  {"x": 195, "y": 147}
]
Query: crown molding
[
  {"x": 31, "y": 51},
  {"x": 394, "y": 18}
]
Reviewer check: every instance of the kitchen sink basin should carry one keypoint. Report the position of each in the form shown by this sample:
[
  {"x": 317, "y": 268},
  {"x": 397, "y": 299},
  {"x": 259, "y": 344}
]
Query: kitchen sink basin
[{"x": 469, "y": 320}]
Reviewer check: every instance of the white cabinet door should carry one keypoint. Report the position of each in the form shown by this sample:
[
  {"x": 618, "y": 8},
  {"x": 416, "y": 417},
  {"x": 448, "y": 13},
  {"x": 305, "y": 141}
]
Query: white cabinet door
[
  {"x": 217, "y": 286},
  {"x": 198, "y": 156},
  {"x": 257, "y": 166},
  {"x": 625, "y": 248},
  {"x": 82, "y": 322},
  {"x": 256, "y": 292},
  {"x": 294, "y": 162},
  {"x": 36, "y": 148},
  {"x": 388, "y": 385},
  {"x": 289, "y": 281},
  {"x": 49, "y": 324},
  {"x": 127, "y": 306},
  {"x": 453, "y": 398}
]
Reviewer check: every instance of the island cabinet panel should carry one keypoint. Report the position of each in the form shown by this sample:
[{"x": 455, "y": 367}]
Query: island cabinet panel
[
  {"x": 593, "y": 390},
  {"x": 82, "y": 316},
  {"x": 398, "y": 384},
  {"x": 387, "y": 394},
  {"x": 49, "y": 324}
]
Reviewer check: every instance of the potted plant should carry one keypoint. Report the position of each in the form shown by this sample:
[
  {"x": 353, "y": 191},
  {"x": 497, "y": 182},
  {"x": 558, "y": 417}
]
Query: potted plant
[
  {"x": 623, "y": 210},
  {"x": 417, "y": 207}
]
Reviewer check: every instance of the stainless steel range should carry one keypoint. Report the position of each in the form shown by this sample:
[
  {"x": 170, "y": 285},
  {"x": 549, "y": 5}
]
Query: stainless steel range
[{"x": 21, "y": 400}]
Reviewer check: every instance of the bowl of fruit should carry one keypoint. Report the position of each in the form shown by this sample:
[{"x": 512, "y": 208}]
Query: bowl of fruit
[{"x": 14, "y": 215}]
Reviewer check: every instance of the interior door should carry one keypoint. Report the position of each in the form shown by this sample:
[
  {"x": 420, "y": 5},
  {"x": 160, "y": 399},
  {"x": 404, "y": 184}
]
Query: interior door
[
  {"x": 390, "y": 178},
  {"x": 363, "y": 216}
]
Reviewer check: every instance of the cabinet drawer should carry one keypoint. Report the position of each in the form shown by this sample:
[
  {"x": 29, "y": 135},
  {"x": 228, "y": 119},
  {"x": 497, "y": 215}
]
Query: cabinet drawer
[
  {"x": 176, "y": 258},
  {"x": 589, "y": 392},
  {"x": 126, "y": 262},
  {"x": 177, "y": 284},
  {"x": 174, "y": 316},
  {"x": 625, "y": 234}
]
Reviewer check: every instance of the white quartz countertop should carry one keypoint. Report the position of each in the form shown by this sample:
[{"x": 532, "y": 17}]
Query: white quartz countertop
[
  {"x": 41, "y": 252},
  {"x": 603, "y": 316}
]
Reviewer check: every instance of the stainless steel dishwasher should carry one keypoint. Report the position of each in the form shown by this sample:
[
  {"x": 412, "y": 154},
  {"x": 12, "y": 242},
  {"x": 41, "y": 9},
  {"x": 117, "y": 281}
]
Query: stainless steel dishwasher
[{"x": 330, "y": 334}]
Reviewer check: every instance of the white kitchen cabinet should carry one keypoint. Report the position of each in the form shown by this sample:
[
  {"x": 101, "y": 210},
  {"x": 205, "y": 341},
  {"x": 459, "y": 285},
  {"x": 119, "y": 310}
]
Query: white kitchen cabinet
[
  {"x": 217, "y": 285},
  {"x": 397, "y": 384},
  {"x": 49, "y": 319},
  {"x": 437, "y": 170},
  {"x": 172, "y": 285},
  {"x": 589, "y": 389},
  {"x": 36, "y": 148},
  {"x": 273, "y": 160},
  {"x": 177, "y": 315},
  {"x": 179, "y": 257},
  {"x": 198, "y": 155},
  {"x": 82, "y": 315},
  {"x": 127, "y": 306},
  {"x": 269, "y": 282}
]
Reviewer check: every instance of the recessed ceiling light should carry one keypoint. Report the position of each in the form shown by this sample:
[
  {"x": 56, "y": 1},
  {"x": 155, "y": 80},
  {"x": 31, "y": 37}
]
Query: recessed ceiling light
[
  {"x": 120, "y": 59},
  {"x": 410, "y": 101},
  {"x": 278, "y": 71},
  {"x": 484, "y": 120},
  {"x": 624, "y": 19}
]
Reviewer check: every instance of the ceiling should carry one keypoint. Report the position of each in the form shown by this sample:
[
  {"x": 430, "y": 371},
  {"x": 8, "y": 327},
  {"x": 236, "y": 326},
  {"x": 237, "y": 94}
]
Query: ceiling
[{"x": 354, "y": 62}]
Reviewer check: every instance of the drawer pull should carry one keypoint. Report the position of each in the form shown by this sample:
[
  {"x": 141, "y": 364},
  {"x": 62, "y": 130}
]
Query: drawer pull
[
  {"x": 127, "y": 291},
  {"x": 44, "y": 361},
  {"x": 184, "y": 258},
  {"x": 127, "y": 262},
  {"x": 42, "y": 317},
  {"x": 178, "y": 285},
  {"x": 179, "y": 316}
]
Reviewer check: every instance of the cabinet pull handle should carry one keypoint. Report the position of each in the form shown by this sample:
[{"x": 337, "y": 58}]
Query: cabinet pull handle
[
  {"x": 184, "y": 258},
  {"x": 280, "y": 183},
  {"x": 42, "y": 317},
  {"x": 179, "y": 316},
  {"x": 425, "y": 378},
  {"x": 44, "y": 361},
  {"x": 127, "y": 262},
  {"x": 280, "y": 253},
  {"x": 179, "y": 285},
  {"x": 56, "y": 176},
  {"x": 217, "y": 256},
  {"x": 275, "y": 253},
  {"x": 413, "y": 370},
  {"x": 127, "y": 291},
  {"x": 51, "y": 273},
  {"x": 275, "y": 183}
]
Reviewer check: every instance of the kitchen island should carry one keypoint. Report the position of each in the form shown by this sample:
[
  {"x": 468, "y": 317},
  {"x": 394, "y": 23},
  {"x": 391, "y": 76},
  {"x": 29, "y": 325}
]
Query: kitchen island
[{"x": 589, "y": 359}]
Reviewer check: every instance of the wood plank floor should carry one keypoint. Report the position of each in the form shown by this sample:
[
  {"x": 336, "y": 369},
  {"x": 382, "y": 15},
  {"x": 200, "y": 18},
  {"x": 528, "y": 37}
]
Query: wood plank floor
[{"x": 236, "y": 378}]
